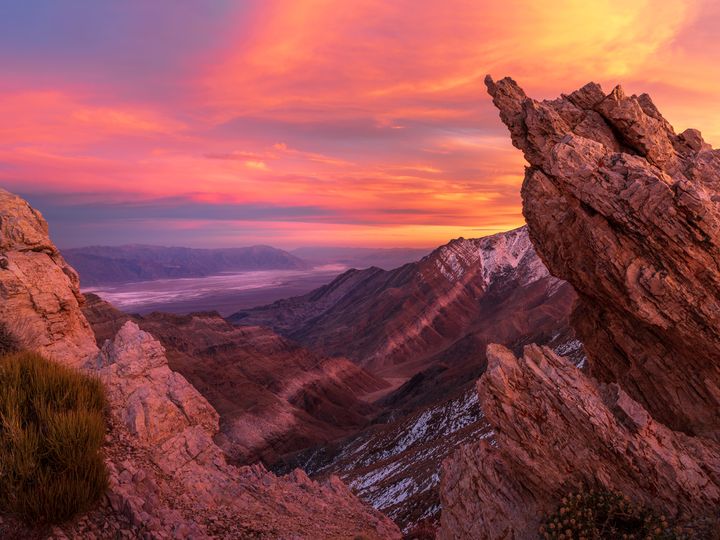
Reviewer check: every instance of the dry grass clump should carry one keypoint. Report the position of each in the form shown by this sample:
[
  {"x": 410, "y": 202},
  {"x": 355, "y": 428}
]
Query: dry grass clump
[
  {"x": 52, "y": 427},
  {"x": 600, "y": 514}
]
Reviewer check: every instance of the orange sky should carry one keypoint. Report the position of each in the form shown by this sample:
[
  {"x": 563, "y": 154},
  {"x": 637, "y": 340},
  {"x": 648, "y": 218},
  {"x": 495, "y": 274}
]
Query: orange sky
[{"x": 308, "y": 122}]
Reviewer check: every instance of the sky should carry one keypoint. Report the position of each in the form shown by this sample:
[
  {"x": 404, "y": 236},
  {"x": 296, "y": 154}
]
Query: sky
[{"x": 312, "y": 122}]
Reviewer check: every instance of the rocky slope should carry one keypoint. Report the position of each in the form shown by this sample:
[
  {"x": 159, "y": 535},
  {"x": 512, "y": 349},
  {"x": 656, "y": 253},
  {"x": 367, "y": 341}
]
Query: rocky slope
[
  {"x": 556, "y": 429},
  {"x": 626, "y": 211},
  {"x": 103, "y": 265},
  {"x": 168, "y": 478},
  {"x": 274, "y": 397},
  {"x": 447, "y": 305}
]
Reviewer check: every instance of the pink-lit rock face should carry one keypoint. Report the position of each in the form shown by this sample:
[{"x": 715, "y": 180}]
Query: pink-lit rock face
[
  {"x": 39, "y": 291},
  {"x": 556, "y": 429},
  {"x": 168, "y": 475},
  {"x": 627, "y": 211}
]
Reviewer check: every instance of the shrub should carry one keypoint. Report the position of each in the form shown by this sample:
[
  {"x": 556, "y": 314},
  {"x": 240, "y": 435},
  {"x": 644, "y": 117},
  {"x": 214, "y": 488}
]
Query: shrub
[
  {"x": 52, "y": 428},
  {"x": 8, "y": 341},
  {"x": 604, "y": 514}
]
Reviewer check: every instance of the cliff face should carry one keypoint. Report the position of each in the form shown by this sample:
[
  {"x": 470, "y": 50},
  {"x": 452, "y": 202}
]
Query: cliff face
[
  {"x": 39, "y": 292},
  {"x": 628, "y": 212},
  {"x": 168, "y": 478}
]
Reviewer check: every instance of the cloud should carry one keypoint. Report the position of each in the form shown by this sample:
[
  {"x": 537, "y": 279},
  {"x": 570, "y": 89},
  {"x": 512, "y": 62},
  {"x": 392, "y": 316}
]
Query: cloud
[{"x": 308, "y": 121}]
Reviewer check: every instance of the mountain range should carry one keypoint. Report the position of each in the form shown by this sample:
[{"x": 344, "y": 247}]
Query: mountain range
[{"x": 103, "y": 265}]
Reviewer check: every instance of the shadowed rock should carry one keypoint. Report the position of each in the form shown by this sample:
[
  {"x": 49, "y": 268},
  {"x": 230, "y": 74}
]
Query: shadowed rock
[{"x": 556, "y": 430}]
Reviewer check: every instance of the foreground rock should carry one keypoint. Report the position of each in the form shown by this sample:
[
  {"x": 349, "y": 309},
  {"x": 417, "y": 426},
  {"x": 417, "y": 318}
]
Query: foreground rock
[
  {"x": 557, "y": 430},
  {"x": 179, "y": 483},
  {"x": 39, "y": 292},
  {"x": 629, "y": 213}
]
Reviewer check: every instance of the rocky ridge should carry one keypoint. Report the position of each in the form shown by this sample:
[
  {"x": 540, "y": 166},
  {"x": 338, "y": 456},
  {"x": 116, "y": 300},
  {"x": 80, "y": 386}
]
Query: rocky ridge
[
  {"x": 625, "y": 210},
  {"x": 168, "y": 478},
  {"x": 556, "y": 430},
  {"x": 399, "y": 322}
]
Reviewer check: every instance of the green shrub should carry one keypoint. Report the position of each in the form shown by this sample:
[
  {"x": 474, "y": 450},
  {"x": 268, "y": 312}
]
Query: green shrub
[
  {"x": 604, "y": 514},
  {"x": 52, "y": 427}
]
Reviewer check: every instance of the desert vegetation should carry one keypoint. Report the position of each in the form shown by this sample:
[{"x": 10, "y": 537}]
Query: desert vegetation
[
  {"x": 52, "y": 427},
  {"x": 597, "y": 514}
]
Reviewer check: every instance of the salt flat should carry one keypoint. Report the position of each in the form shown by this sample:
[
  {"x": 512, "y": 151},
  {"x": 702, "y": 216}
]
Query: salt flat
[{"x": 225, "y": 293}]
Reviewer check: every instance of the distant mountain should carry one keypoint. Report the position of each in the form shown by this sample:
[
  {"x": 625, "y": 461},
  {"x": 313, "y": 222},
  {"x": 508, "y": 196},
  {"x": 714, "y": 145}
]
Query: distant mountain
[
  {"x": 385, "y": 258},
  {"x": 450, "y": 304},
  {"x": 103, "y": 265}
]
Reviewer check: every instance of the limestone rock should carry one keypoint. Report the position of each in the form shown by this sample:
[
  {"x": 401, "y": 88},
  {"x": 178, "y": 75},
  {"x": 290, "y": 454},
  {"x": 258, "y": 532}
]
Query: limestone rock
[
  {"x": 39, "y": 292},
  {"x": 627, "y": 211},
  {"x": 557, "y": 430}
]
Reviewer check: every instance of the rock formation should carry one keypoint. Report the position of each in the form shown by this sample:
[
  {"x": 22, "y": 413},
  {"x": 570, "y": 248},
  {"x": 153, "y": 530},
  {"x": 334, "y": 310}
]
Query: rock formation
[
  {"x": 39, "y": 292},
  {"x": 183, "y": 485},
  {"x": 629, "y": 213},
  {"x": 555, "y": 430},
  {"x": 626, "y": 211},
  {"x": 168, "y": 478}
]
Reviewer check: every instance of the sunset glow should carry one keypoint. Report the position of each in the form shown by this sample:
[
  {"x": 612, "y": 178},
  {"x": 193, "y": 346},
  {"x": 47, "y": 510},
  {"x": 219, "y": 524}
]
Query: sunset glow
[{"x": 309, "y": 122}]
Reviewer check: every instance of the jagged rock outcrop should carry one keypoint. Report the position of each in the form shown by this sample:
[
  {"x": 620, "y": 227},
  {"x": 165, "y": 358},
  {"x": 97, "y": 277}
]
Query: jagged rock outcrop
[
  {"x": 629, "y": 213},
  {"x": 39, "y": 292},
  {"x": 180, "y": 485},
  {"x": 555, "y": 430},
  {"x": 626, "y": 211}
]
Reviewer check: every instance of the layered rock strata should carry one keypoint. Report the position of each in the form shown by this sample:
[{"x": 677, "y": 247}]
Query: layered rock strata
[{"x": 628, "y": 212}]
